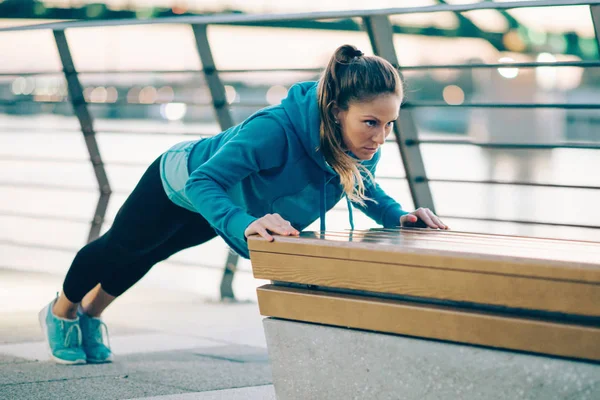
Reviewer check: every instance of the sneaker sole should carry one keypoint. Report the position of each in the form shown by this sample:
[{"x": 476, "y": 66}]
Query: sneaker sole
[
  {"x": 42, "y": 318},
  {"x": 106, "y": 361}
]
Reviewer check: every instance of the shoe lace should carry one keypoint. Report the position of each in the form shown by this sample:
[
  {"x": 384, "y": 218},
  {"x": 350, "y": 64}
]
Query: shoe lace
[
  {"x": 103, "y": 325},
  {"x": 74, "y": 330},
  {"x": 94, "y": 333}
]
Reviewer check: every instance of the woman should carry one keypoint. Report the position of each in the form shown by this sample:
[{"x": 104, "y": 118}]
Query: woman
[{"x": 275, "y": 173}]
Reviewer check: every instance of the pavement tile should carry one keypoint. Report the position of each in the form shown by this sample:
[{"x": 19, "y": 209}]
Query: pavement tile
[
  {"x": 266, "y": 392},
  {"x": 97, "y": 388}
]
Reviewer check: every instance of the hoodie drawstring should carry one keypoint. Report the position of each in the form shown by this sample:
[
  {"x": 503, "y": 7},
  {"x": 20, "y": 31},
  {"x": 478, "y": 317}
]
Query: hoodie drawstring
[
  {"x": 323, "y": 205},
  {"x": 350, "y": 215},
  {"x": 323, "y": 202}
]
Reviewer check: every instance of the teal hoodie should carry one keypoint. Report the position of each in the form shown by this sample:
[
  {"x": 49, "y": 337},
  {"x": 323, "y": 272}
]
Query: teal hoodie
[{"x": 270, "y": 163}]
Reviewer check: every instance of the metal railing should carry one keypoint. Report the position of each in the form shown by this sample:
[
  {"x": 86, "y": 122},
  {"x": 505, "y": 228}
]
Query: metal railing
[{"x": 377, "y": 25}]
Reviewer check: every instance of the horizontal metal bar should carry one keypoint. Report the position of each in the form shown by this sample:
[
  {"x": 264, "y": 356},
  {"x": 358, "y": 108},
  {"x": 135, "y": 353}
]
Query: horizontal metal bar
[
  {"x": 91, "y": 104},
  {"x": 566, "y": 106},
  {"x": 16, "y": 214},
  {"x": 160, "y": 72},
  {"x": 46, "y": 186},
  {"x": 104, "y": 72},
  {"x": 4, "y": 102},
  {"x": 12, "y": 130},
  {"x": 159, "y": 133},
  {"x": 27, "y": 74},
  {"x": 245, "y": 18},
  {"x": 124, "y": 103},
  {"x": 29, "y": 245},
  {"x": 581, "y": 64},
  {"x": 517, "y": 221},
  {"x": 63, "y": 218},
  {"x": 529, "y": 146},
  {"x": 531, "y": 184},
  {"x": 10, "y": 157},
  {"x": 259, "y": 70},
  {"x": 9, "y": 130},
  {"x": 70, "y": 161},
  {"x": 40, "y": 246},
  {"x": 496, "y": 182}
]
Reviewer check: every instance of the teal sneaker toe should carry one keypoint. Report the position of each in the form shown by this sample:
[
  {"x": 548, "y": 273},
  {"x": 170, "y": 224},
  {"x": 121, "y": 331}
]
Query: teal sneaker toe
[
  {"x": 99, "y": 354},
  {"x": 96, "y": 349},
  {"x": 63, "y": 337},
  {"x": 69, "y": 356}
]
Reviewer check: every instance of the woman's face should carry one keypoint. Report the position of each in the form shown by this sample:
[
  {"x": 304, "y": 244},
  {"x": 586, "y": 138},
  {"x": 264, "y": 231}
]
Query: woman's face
[{"x": 366, "y": 124}]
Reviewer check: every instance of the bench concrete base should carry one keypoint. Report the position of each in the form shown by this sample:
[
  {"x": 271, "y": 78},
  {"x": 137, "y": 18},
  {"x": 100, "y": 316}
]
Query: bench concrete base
[{"x": 312, "y": 361}]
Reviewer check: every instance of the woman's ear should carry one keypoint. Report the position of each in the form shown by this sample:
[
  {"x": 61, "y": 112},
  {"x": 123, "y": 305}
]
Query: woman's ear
[{"x": 335, "y": 112}]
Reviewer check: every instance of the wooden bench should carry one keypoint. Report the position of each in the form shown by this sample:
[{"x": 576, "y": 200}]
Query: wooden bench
[{"x": 509, "y": 293}]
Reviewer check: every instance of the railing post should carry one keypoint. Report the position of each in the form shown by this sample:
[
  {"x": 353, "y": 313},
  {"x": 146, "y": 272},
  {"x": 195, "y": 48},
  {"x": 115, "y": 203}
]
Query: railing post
[
  {"x": 86, "y": 123},
  {"x": 219, "y": 101},
  {"x": 595, "y": 11},
  {"x": 381, "y": 35}
]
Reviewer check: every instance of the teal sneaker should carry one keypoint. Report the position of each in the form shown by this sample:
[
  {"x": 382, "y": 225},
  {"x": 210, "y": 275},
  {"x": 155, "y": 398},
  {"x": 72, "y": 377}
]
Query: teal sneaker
[
  {"x": 93, "y": 341},
  {"x": 63, "y": 337}
]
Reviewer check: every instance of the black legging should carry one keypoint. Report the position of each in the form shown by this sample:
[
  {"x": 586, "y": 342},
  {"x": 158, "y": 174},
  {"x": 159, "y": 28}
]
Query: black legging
[{"x": 147, "y": 229}]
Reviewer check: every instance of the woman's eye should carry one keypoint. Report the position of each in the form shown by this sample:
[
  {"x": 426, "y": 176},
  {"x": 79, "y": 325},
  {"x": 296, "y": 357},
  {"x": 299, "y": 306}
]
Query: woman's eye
[{"x": 370, "y": 123}]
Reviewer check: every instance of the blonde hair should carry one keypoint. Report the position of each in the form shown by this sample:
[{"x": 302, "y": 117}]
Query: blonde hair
[{"x": 351, "y": 77}]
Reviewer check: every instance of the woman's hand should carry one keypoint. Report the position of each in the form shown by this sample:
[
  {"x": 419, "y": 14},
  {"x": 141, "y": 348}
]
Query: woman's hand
[
  {"x": 422, "y": 218},
  {"x": 270, "y": 223}
]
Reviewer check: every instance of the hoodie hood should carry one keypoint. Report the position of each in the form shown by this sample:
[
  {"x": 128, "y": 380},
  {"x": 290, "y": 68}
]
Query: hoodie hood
[{"x": 302, "y": 108}]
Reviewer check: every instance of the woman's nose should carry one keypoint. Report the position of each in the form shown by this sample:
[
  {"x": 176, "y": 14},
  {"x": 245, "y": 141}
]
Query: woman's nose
[{"x": 380, "y": 136}]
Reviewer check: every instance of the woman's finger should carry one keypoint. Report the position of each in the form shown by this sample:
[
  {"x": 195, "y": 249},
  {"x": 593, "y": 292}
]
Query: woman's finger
[
  {"x": 408, "y": 218},
  {"x": 263, "y": 232},
  {"x": 422, "y": 213},
  {"x": 273, "y": 223},
  {"x": 284, "y": 224},
  {"x": 436, "y": 220},
  {"x": 277, "y": 227}
]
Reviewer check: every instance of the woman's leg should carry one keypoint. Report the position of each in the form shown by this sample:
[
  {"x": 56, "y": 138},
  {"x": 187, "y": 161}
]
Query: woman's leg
[
  {"x": 145, "y": 222},
  {"x": 196, "y": 232},
  {"x": 94, "y": 303}
]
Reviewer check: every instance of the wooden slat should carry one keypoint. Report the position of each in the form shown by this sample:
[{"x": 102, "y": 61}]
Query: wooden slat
[
  {"x": 493, "y": 236},
  {"x": 432, "y": 236},
  {"x": 433, "y": 322},
  {"x": 581, "y": 266},
  {"x": 446, "y": 284},
  {"x": 571, "y": 252}
]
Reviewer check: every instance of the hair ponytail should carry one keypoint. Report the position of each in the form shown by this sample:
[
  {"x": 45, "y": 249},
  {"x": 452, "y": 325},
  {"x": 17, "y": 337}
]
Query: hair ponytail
[{"x": 349, "y": 77}]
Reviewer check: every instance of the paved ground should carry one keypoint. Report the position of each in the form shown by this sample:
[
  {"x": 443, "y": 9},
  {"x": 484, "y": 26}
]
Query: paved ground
[{"x": 168, "y": 345}]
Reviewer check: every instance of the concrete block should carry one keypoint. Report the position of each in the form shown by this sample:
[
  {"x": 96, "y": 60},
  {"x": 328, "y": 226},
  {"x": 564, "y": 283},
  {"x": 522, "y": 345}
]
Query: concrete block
[{"x": 310, "y": 361}]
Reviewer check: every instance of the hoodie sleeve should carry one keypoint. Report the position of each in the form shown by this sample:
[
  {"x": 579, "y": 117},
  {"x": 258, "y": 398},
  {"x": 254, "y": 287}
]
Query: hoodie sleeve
[
  {"x": 384, "y": 210},
  {"x": 260, "y": 144}
]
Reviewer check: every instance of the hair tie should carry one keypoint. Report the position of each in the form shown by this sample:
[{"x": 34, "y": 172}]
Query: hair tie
[{"x": 358, "y": 53}]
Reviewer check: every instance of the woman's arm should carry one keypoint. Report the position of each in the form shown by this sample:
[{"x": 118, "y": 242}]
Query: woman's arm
[
  {"x": 386, "y": 211},
  {"x": 260, "y": 144},
  {"x": 389, "y": 213}
]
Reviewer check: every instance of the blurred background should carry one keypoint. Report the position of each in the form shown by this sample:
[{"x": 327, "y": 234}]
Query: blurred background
[{"x": 523, "y": 169}]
